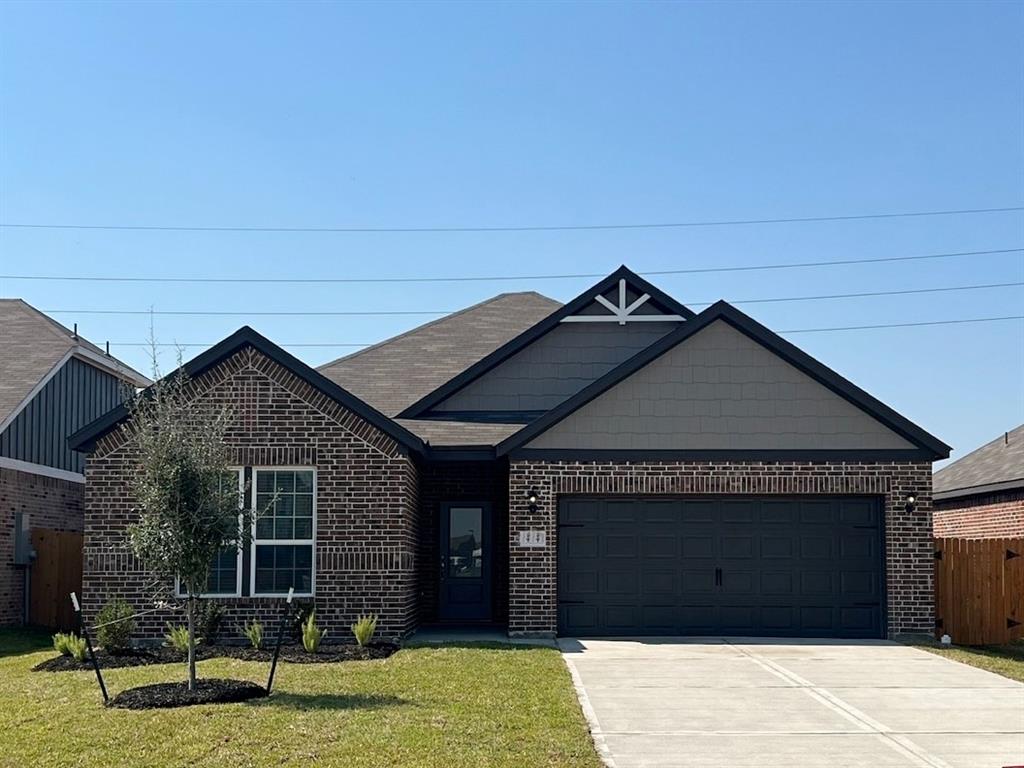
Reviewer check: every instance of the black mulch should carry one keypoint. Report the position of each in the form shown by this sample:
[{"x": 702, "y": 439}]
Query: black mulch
[
  {"x": 294, "y": 654},
  {"x": 208, "y": 691}
]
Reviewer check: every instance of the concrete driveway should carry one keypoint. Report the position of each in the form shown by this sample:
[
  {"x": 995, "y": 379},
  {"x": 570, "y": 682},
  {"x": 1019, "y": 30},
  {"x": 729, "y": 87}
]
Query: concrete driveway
[{"x": 732, "y": 703}]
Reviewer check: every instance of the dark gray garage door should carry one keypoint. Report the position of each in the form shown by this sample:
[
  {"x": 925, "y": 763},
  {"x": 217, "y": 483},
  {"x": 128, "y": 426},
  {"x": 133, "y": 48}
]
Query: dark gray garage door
[{"x": 783, "y": 567}]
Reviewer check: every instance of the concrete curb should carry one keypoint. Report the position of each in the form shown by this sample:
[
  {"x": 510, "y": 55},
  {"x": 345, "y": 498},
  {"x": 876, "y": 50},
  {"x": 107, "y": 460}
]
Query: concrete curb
[{"x": 596, "y": 734}]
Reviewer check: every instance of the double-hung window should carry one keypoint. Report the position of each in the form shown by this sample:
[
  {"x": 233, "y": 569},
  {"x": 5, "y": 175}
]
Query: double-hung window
[
  {"x": 284, "y": 534},
  {"x": 225, "y": 577}
]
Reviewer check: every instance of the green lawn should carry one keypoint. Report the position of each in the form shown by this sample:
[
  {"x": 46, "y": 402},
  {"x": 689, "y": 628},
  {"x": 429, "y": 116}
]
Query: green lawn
[
  {"x": 1006, "y": 660},
  {"x": 449, "y": 706}
]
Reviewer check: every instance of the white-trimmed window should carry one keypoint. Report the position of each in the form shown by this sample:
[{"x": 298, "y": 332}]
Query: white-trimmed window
[
  {"x": 225, "y": 578},
  {"x": 285, "y": 534}
]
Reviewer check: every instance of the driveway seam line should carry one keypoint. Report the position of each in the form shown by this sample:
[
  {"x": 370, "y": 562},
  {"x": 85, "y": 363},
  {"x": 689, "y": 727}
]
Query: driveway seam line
[
  {"x": 604, "y": 752},
  {"x": 885, "y": 734}
]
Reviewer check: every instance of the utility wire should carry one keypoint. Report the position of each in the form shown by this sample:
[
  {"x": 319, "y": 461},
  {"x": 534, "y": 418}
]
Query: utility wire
[
  {"x": 271, "y": 313},
  {"x": 793, "y": 330},
  {"x": 551, "y": 228},
  {"x": 495, "y": 278}
]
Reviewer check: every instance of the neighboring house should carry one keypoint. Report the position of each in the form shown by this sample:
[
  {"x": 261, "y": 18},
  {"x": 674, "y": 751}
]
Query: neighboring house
[
  {"x": 617, "y": 465},
  {"x": 981, "y": 496},
  {"x": 52, "y": 383}
]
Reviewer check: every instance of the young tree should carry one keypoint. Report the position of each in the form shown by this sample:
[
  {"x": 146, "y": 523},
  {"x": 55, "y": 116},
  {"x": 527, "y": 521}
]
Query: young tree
[{"x": 188, "y": 510}]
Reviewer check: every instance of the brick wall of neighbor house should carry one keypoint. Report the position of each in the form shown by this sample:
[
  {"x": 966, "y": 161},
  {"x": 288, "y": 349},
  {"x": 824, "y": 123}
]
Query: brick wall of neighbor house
[
  {"x": 465, "y": 481},
  {"x": 991, "y": 516},
  {"x": 367, "y": 504},
  {"x": 909, "y": 563},
  {"x": 52, "y": 503}
]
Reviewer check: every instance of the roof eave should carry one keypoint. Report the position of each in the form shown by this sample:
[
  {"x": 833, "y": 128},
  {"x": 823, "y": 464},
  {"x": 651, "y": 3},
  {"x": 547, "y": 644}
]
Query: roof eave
[{"x": 85, "y": 439}]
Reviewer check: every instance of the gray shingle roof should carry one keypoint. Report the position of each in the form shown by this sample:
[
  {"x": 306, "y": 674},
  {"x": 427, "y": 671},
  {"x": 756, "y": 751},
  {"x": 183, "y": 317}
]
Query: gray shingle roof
[
  {"x": 464, "y": 433},
  {"x": 31, "y": 344},
  {"x": 395, "y": 373},
  {"x": 999, "y": 463}
]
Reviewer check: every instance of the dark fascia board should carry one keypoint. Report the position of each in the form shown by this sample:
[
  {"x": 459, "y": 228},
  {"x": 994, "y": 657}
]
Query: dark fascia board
[
  {"x": 814, "y": 455},
  {"x": 534, "y": 332},
  {"x": 85, "y": 439},
  {"x": 979, "y": 490},
  {"x": 484, "y": 417},
  {"x": 931, "y": 446}
]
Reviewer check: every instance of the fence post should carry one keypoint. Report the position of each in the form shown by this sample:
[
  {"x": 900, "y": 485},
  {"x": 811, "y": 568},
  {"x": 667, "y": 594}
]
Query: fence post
[{"x": 88, "y": 645}]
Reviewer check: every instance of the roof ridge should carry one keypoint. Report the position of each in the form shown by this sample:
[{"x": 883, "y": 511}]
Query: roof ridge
[{"x": 432, "y": 323}]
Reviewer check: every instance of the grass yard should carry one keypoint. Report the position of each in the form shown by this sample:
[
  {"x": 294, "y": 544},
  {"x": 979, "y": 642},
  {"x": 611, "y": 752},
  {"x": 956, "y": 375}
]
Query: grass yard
[
  {"x": 447, "y": 706},
  {"x": 1006, "y": 660}
]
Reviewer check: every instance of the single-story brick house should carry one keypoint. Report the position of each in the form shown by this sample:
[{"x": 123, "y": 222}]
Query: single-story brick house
[
  {"x": 53, "y": 382},
  {"x": 981, "y": 496},
  {"x": 618, "y": 465}
]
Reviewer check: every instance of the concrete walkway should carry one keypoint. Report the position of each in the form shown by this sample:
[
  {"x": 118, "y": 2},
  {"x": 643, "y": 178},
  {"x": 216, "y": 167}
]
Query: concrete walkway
[{"x": 753, "y": 703}]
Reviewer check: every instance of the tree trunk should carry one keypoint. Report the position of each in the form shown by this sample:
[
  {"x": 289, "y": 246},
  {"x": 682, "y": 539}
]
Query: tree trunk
[{"x": 191, "y": 611}]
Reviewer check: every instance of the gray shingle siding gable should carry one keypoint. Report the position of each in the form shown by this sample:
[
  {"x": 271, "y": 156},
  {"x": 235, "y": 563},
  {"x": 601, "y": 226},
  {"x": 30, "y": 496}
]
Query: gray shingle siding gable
[
  {"x": 76, "y": 395},
  {"x": 719, "y": 390},
  {"x": 555, "y": 367}
]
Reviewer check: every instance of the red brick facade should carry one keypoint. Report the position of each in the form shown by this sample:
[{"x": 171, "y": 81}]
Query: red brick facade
[
  {"x": 367, "y": 513},
  {"x": 991, "y": 516},
  {"x": 51, "y": 503},
  {"x": 909, "y": 563}
]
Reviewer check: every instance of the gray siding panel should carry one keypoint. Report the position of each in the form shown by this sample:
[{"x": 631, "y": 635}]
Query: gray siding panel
[
  {"x": 76, "y": 395},
  {"x": 555, "y": 366},
  {"x": 719, "y": 390}
]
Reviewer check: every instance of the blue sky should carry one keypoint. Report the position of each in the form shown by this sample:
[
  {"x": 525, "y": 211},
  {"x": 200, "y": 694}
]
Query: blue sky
[{"x": 311, "y": 115}]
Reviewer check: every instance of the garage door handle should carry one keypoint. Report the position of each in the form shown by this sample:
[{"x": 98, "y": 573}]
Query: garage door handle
[{"x": 718, "y": 577}]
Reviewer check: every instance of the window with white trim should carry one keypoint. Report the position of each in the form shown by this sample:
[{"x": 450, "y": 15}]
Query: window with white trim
[
  {"x": 225, "y": 577},
  {"x": 285, "y": 533}
]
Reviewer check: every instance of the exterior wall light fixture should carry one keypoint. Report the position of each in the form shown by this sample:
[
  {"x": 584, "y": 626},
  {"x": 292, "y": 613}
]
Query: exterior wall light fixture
[
  {"x": 911, "y": 502},
  {"x": 531, "y": 499}
]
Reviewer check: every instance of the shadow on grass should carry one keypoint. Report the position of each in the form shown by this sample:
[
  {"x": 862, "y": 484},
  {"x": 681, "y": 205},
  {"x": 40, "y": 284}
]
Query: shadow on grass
[
  {"x": 336, "y": 701},
  {"x": 15, "y": 642}
]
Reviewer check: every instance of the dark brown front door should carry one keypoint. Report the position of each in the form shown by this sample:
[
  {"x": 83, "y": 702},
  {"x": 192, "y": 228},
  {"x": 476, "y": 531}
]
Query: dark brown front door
[{"x": 465, "y": 562}]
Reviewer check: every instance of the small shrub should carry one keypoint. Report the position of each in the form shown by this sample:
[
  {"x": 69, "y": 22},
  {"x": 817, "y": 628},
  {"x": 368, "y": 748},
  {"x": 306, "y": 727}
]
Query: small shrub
[
  {"x": 114, "y": 626},
  {"x": 254, "y": 632},
  {"x": 177, "y": 638},
  {"x": 364, "y": 628},
  {"x": 209, "y": 620},
  {"x": 76, "y": 647},
  {"x": 312, "y": 635},
  {"x": 61, "y": 643}
]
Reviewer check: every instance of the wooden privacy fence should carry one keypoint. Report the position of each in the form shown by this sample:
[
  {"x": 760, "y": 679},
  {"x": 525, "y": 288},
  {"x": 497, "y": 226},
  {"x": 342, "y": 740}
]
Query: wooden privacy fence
[
  {"x": 56, "y": 573},
  {"x": 979, "y": 590}
]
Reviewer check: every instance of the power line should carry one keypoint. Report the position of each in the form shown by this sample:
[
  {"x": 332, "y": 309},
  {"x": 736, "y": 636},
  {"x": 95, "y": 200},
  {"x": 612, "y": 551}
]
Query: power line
[
  {"x": 532, "y": 228},
  {"x": 793, "y": 330},
  {"x": 497, "y": 278},
  {"x": 329, "y": 313}
]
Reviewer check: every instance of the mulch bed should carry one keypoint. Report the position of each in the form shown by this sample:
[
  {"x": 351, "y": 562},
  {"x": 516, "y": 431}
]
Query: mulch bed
[
  {"x": 293, "y": 654},
  {"x": 208, "y": 691}
]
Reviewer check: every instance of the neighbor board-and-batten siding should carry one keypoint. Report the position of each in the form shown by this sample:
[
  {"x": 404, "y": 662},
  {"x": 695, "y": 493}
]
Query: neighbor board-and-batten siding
[
  {"x": 77, "y": 394},
  {"x": 719, "y": 390},
  {"x": 555, "y": 367}
]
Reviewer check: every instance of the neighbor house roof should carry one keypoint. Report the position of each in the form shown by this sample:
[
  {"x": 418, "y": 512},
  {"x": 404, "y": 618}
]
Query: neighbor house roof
[
  {"x": 33, "y": 347},
  {"x": 397, "y": 372},
  {"x": 996, "y": 466}
]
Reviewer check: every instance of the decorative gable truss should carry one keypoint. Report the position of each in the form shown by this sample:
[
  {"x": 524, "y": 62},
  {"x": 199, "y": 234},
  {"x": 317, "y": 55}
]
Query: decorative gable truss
[{"x": 625, "y": 310}]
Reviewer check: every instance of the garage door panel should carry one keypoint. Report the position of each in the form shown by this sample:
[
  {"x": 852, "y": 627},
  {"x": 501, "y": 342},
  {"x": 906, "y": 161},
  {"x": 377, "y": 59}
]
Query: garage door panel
[
  {"x": 660, "y": 546},
  {"x": 699, "y": 582},
  {"x": 621, "y": 583},
  {"x": 816, "y": 547},
  {"x": 619, "y": 545},
  {"x": 753, "y": 566},
  {"x": 778, "y": 547},
  {"x": 698, "y": 547}
]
